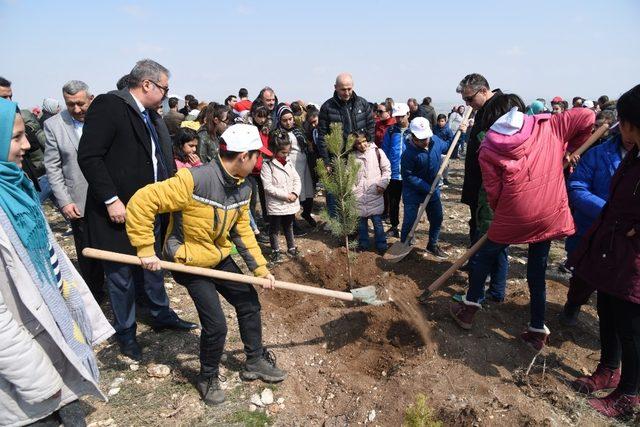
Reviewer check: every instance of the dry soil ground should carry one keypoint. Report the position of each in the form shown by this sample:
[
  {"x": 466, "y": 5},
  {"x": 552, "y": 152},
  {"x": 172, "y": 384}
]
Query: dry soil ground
[{"x": 351, "y": 364}]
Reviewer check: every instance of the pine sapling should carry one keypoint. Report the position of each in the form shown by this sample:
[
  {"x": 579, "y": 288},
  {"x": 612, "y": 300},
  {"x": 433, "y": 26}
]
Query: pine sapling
[{"x": 339, "y": 181}]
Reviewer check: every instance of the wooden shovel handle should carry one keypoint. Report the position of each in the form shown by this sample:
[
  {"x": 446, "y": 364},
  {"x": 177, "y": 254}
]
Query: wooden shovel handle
[
  {"x": 436, "y": 181},
  {"x": 216, "y": 274}
]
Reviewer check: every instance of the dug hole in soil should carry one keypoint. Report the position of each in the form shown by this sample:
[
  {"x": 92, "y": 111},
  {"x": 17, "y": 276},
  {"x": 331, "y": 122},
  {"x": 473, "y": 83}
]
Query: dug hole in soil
[{"x": 352, "y": 363}]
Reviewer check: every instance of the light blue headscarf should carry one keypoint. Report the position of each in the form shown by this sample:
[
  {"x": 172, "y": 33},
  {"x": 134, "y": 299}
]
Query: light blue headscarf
[{"x": 18, "y": 199}]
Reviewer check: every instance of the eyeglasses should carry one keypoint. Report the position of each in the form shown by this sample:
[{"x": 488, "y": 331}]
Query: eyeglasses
[
  {"x": 470, "y": 98},
  {"x": 381, "y": 111},
  {"x": 165, "y": 89}
]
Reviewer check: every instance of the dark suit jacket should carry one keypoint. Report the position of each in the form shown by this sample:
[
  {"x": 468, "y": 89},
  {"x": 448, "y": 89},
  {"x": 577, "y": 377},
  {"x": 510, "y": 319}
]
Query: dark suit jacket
[{"x": 114, "y": 155}]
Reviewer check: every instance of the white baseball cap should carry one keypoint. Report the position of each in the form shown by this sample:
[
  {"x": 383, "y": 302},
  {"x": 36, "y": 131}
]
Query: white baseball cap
[
  {"x": 399, "y": 109},
  {"x": 420, "y": 128},
  {"x": 243, "y": 137},
  {"x": 588, "y": 104}
]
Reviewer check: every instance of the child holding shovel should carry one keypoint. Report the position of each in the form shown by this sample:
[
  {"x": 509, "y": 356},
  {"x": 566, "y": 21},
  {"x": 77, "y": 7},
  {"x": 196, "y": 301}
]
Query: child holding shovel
[
  {"x": 210, "y": 211},
  {"x": 521, "y": 162},
  {"x": 419, "y": 166}
]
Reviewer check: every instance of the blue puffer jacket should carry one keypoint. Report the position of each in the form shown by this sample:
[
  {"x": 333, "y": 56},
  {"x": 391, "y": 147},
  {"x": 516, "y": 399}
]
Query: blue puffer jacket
[
  {"x": 444, "y": 133},
  {"x": 394, "y": 144},
  {"x": 419, "y": 170},
  {"x": 588, "y": 186}
]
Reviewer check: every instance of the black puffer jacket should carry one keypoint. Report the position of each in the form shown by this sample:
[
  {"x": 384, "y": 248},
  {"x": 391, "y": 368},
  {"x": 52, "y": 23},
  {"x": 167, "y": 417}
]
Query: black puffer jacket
[
  {"x": 354, "y": 114},
  {"x": 472, "y": 173}
]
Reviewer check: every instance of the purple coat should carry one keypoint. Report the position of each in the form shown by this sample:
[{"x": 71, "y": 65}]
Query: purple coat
[{"x": 607, "y": 258}]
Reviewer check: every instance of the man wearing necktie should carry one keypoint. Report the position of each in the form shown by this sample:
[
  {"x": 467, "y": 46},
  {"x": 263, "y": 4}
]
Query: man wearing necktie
[{"x": 125, "y": 145}]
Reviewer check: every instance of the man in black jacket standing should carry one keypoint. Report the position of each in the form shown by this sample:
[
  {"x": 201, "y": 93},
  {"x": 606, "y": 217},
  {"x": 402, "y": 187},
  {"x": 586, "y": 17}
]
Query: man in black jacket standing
[
  {"x": 125, "y": 145},
  {"x": 353, "y": 111},
  {"x": 476, "y": 93}
]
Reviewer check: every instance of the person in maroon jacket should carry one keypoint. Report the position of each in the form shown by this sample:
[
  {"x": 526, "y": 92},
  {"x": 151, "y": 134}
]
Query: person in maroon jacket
[{"x": 608, "y": 259}]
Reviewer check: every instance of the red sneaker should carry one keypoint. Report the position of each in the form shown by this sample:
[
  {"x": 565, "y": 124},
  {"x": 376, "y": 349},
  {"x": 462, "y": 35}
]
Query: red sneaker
[
  {"x": 536, "y": 338},
  {"x": 463, "y": 312},
  {"x": 615, "y": 404},
  {"x": 603, "y": 378}
]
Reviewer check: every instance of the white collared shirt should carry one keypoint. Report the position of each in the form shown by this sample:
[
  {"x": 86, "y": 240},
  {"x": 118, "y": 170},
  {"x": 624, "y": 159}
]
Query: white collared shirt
[
  {"x": 154, "y": 159},
  {"x": 77, "y": 126}
]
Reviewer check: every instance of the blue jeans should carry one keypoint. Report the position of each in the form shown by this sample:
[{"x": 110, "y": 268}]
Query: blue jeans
[
  {"x": 332, "y": 205},
  {"x": 45, "y": 191},
  {"x": 536, "y": 270},
  {"x": 378, "y": 229},
  {"x": 499, "y": 268},
  {"x": 434, "y": 215}
]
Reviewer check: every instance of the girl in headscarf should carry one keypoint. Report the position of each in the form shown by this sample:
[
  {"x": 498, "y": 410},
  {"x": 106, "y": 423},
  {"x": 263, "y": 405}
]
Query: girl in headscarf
[
  {"x": 298, "y": 157},
  {"x": 49, "y": 320}
]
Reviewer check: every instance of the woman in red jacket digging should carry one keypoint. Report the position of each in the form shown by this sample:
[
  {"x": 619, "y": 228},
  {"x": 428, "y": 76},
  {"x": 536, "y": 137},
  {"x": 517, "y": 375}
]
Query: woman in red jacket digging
[
  {"x": 521, "y": 160},
  {"x": 608, "y": 259}
]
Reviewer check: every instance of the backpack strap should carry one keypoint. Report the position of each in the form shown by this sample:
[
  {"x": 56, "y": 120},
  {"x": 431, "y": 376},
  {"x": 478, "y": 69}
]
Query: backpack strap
[{"x": 379, "y": 160}]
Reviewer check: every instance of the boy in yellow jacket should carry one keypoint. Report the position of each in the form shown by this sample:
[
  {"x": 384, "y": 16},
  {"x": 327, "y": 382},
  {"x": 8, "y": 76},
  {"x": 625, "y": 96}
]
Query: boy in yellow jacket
[{"x": 210, "y": 211}]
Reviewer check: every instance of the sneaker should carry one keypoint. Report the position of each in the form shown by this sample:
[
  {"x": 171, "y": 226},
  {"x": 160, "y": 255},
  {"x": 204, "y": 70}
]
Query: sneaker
[
  {"x": 293, "y": 252},
  {"x": 569, "y": 315},
  {"x": 615, "y": 405},
  {"x": 210, "y": 391},
  {"x": 463, "y": 312},
  {"x": 381, "y": 251},
  {"x": 263, "y": 368},
  {"x": 393, "y": 232},
  {"x": 536, "y": 338},
  {"x": 312, "y": 222},
  {"x": 435, "y": 250},
  {"x": 603, "y": 378},
  {"x": 360, "y": 249},
  {"x": 276, "y": 257}
]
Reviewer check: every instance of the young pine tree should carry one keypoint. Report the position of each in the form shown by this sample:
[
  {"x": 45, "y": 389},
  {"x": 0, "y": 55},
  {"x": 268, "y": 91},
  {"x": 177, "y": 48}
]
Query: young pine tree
[{"x": 339, "y": 181}]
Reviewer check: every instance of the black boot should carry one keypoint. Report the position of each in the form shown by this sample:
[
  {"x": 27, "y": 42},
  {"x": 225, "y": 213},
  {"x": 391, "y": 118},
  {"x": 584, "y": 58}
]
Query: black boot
[
  {"x": 210, "y": 391},
  {"x": 263, "y": 368}
]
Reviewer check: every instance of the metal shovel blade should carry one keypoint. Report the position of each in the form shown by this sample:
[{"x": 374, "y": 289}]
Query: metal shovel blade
[
  {"x": 366, "y": 295},
  {"x": 398, "y": 251}
]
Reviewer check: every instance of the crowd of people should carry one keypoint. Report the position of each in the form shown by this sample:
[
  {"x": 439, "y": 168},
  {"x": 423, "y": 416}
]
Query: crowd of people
[{"x": 133, "y": 173}]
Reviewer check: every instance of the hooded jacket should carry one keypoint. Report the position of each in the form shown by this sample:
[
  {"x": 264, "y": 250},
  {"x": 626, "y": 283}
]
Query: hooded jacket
[
  {"x": 588, "y": 185},
  {"x": 394, "y": 145},
  {"x": 374, "y": 172},
  {"x": 523, "y": 177}
]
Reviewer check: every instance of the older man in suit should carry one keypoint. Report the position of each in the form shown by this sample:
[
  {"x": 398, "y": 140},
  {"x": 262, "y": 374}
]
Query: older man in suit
[
  {"x": 125, "y": 145},
  {"x": 63, "y": 132}
]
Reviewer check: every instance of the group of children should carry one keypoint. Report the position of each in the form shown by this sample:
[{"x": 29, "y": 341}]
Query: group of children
[{"x": 410, "y": 153}]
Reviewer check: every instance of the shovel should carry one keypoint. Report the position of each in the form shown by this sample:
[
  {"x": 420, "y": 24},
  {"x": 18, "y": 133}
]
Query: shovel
[
  {"x": 399, "y": 250},
  {"x": 365, "y": 294},
  {"x": 476, "y": 247}
]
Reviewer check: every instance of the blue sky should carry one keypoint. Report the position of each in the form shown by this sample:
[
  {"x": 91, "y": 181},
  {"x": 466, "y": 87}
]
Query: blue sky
[{"x": 397, "y": 48}]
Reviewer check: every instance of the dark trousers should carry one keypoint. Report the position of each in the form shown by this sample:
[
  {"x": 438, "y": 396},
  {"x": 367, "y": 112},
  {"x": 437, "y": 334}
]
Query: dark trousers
[
  {"x": 307, "y": 206},
  {"x": 473, "y": 223},
  {"x": 620, "y": 339},
  {"x": 244, "y": 299},
  {"x": 276, "y": 222},
  {"x": 394, "y": 195},
  {"x": 434, "y": 215},
  {"x": 122, "y": 280},
  {"x": 579, "y": 291},
  {"x": 70, "y": 415},
  {"x": 536, "y": 270},
  {"x": 90, "y": 269},
  {"x": 259, "y": 189}
]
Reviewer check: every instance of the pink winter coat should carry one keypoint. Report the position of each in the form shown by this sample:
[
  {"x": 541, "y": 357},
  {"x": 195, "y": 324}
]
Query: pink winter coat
[
  {"x": 372, "y": 174},
  {"x": 523, "y": 176}
]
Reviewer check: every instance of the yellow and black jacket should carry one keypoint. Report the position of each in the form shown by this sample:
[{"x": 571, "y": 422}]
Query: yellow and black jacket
[{"x": 210, "y": 210}]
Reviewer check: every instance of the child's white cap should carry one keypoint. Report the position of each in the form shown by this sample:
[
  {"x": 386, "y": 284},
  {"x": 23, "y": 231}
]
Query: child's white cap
[
  {"x": 243, "y": 137},
  {"x": 420, "y": 128}
]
